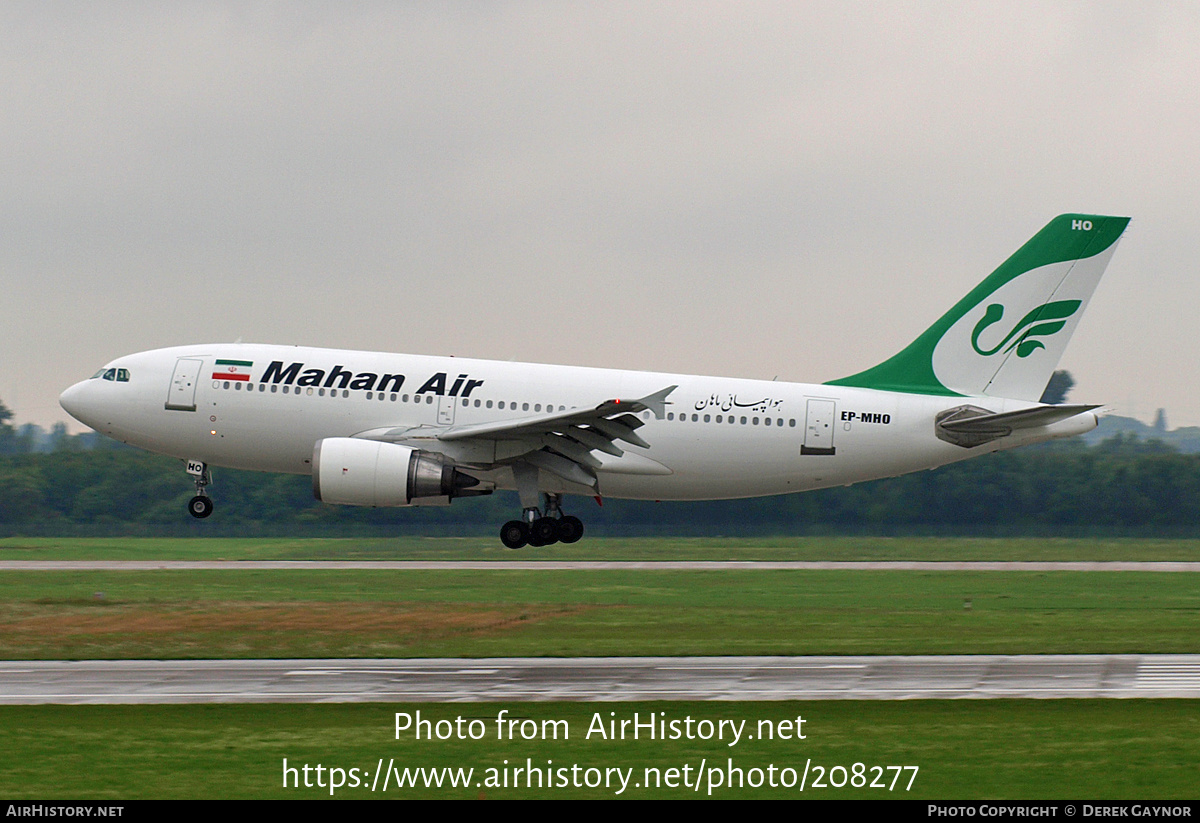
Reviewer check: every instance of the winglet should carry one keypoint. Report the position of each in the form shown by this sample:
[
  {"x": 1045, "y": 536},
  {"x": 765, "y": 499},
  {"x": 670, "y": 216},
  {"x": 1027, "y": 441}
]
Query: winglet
[{"x": 657, "y": 402}]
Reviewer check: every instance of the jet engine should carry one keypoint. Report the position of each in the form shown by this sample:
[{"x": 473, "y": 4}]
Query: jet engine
[{"x": 370, "y": 473}]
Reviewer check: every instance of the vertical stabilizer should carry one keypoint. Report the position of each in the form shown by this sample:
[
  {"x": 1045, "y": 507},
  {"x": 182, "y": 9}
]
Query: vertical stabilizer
[{"x": 1006, "y": 337}]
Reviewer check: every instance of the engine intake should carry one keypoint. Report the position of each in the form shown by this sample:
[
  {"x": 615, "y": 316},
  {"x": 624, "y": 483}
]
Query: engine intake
[{"x": 370, "y": 473}]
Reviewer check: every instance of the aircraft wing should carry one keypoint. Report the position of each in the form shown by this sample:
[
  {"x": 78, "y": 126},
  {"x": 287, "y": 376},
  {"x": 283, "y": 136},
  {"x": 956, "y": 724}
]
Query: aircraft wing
[
  {"x": 561, "y": 443},
  {"x": 610, "y": 411}
]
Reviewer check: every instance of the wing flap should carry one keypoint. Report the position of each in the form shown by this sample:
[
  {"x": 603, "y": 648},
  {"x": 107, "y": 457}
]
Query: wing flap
[
  {"x": 561, "y": 443},
  {"x": 558, "y": 465}
]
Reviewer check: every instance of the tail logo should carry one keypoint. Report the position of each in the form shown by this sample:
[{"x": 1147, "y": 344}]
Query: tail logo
[{"x": 1044, "y": 321}]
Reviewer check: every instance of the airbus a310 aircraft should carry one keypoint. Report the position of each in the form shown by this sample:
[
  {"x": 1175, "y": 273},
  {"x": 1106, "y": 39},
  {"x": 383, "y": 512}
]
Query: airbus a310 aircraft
[{"x": 377, "y": 429}]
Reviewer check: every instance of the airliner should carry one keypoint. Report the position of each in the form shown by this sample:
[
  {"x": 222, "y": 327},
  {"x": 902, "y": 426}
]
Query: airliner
[{"x": 378, "y": 429}]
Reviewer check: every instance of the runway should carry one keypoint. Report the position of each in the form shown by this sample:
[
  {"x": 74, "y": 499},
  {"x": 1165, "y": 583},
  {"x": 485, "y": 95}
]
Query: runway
[
  {"x": 602, "y": 565},
  {"x": 601, "y": 679}
]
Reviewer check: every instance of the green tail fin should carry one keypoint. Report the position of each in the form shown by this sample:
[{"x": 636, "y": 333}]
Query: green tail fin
[{"x": 1005, "y": 338}]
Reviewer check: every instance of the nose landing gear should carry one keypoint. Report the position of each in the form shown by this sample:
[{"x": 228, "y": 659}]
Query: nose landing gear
[{"x": 201, "y": 505}]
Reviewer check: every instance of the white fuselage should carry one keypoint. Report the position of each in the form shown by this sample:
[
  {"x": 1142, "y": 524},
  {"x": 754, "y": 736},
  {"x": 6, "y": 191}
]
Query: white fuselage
[{"x": 718, "y": 438}]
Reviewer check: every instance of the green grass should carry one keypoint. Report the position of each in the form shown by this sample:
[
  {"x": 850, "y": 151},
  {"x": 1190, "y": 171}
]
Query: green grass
[
  {"x": 987, "y": 749},
  {"x": 450, "y": 613},
  {"x": 994, "y": 749},
  {"x": 644, "y": 549}
]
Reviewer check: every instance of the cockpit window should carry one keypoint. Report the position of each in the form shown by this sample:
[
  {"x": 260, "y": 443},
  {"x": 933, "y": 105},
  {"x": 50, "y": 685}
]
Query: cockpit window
[
  {"x": 122, "y": 375},
  {"x": 119, "y": 375}
]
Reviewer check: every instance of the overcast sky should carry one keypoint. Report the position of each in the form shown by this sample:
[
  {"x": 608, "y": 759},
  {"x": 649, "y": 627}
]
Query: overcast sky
[{"x": 755, "y": 189}]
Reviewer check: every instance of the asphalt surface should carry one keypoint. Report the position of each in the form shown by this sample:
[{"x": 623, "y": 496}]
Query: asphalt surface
[
  {"x": 599, "y": 565},
  {"x": 601, "y": 679}
]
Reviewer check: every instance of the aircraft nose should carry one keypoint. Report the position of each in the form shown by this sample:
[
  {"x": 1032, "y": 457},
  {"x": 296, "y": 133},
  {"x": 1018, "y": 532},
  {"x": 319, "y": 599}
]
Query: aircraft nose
[{"x": 74, "y": 403}]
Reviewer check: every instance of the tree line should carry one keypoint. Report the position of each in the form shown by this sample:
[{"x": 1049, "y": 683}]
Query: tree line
[{"x": 1124, "y": 485}]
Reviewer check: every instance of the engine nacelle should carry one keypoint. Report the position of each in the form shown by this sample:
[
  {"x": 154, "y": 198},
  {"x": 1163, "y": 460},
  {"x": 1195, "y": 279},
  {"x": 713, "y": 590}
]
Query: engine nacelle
[{"x": 370, "y": 473}]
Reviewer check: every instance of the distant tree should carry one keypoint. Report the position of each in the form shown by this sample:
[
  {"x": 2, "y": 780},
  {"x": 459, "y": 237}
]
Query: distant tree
[
  {"x": 60, "y": 440},
  {"x": 29, "y": 438},
  {"x": 8, "y": 435},
  {"x": 1060, "y": 385}
]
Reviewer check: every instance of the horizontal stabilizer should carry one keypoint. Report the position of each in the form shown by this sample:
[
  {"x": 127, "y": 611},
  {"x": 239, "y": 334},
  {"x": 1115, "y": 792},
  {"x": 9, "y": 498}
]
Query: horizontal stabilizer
[
  {"x": 970, "y": 426},
  {"x": 1023, "y": 419}
]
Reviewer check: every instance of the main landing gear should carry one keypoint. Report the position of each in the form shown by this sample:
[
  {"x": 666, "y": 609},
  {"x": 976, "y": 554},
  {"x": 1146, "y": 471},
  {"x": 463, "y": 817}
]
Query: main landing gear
[
  {"x": 201, "y": 505},
  {"x": 536, "y": 529}
]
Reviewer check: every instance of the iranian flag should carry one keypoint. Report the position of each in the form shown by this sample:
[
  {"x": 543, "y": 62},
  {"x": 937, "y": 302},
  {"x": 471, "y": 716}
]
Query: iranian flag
[{"x": 232, "y": 370}]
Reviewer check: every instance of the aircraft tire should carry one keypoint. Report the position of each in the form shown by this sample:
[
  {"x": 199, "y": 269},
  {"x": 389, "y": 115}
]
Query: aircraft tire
[
  {"x": 544, "y": 530},
  {"x": 570, "y": 529},
  {"x": 200, "y": 506},
  {"x": 514, "y": 534}
]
